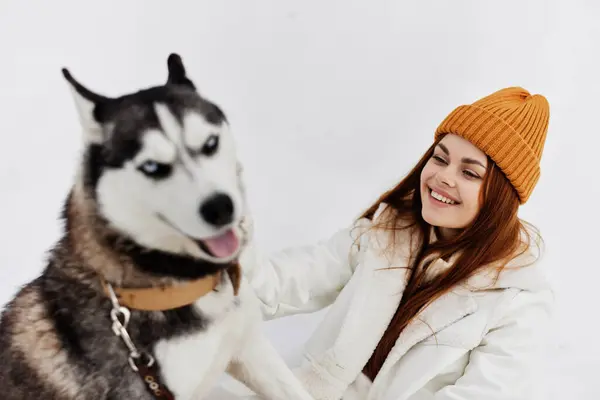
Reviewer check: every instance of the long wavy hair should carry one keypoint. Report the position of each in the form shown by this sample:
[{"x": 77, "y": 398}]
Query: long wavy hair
[{"x": 496, "y": 235}]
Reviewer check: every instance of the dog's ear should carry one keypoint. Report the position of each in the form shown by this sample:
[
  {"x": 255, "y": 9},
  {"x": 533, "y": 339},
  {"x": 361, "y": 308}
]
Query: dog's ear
[
  {"x": 88, "y": 105},
  {"x": 177, "y": 74}
]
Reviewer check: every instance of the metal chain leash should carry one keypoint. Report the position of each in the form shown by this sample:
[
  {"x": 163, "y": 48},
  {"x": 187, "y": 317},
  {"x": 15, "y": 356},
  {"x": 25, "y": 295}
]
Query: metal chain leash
[
  {"x": 119, "y": 328},
  {"x": 141, "y": 362}
]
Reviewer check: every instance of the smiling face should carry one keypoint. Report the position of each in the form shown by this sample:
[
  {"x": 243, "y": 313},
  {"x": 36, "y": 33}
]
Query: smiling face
[{"x": 451, "y": 183}]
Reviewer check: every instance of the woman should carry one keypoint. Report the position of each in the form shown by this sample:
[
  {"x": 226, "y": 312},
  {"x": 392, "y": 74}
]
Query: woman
[{"x": 435, "y": 292}]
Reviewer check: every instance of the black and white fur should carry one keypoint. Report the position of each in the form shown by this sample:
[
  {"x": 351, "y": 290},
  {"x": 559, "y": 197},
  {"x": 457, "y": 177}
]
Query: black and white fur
[{"x": 158, "y": 177}]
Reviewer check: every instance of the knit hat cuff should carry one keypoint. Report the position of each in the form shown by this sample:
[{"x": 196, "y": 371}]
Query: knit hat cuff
[{"x": 500, "y": 141}]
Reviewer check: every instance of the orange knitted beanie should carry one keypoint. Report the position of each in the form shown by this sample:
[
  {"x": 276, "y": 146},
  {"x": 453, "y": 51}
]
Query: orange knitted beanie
[{"x": 510, "y": 126}]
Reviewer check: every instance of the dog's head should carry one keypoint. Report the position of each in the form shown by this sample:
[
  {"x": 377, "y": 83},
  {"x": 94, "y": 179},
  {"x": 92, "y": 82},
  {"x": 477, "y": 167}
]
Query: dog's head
[{"x": 161, "y": 166}]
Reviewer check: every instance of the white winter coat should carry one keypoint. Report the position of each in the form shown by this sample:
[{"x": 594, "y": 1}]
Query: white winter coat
[{"x": 478, "y": 342}]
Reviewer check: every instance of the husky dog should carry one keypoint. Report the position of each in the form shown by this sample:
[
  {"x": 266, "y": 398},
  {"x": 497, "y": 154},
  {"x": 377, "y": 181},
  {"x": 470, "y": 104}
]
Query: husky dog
[{"x": 142, "y": 297}]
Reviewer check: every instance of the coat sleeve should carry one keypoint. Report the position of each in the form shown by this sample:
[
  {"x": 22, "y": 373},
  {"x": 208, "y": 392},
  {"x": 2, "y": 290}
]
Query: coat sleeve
[
  {"x": 304, "y": 278},
  {"x": 504, "y": 365}
]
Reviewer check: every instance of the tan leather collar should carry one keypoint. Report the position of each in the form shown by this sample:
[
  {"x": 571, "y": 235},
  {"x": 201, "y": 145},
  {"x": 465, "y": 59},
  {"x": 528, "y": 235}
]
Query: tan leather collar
[{"x": 161, "y": 298}]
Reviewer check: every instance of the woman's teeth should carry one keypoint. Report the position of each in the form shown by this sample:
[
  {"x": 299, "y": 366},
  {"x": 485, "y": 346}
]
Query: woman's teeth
[{"x": 441, "y": 198}]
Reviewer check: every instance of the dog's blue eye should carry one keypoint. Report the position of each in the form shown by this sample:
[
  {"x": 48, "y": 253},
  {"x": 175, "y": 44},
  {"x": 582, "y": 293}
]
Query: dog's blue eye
[
  {"x": 155, "y": 169},
  {"x": 150, "y": 167},
  {"x": 211, "y": 145}
]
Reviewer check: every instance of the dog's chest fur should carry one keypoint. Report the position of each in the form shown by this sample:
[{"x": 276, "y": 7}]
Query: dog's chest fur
[{"x": 192, "y": 363}]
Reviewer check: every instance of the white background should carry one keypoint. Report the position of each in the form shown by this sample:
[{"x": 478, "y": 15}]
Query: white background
[{"x": 331, "y": 103}]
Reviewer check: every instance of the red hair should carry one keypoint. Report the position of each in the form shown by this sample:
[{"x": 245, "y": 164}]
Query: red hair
[{"x": 495, "y": 236}]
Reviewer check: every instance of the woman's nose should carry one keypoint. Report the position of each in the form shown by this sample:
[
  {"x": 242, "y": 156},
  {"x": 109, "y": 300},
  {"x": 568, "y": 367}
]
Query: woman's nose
[{"x": 445, "y": 177}]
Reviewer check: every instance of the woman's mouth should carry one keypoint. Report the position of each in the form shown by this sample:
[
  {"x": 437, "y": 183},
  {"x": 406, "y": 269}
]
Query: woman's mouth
[{"x": 440, "y": 199}]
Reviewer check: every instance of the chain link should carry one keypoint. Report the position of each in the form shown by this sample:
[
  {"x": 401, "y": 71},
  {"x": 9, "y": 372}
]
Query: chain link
[{"x": 119, "y": 328}]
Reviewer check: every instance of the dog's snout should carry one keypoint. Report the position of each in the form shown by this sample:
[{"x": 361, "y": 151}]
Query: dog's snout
[{"x": 217, "y": 210}]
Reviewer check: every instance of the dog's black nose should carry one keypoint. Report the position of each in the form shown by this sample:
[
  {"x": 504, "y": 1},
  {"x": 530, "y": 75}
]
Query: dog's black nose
[{"x": 217, "y": 210}]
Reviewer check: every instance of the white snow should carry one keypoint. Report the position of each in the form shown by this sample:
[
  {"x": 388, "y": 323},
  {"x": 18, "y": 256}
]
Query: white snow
[{"x": 331, "y": 103}]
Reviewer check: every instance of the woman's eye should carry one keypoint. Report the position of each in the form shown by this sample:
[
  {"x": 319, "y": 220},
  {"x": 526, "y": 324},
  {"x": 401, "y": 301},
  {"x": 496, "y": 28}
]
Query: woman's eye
[
  {"x": 439, "y": 159},
  {"x": 471, "y": 174}
]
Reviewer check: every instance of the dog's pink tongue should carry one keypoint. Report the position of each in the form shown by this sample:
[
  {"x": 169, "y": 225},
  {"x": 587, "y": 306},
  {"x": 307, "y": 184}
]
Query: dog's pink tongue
[{"x": 224, "y": 245}]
